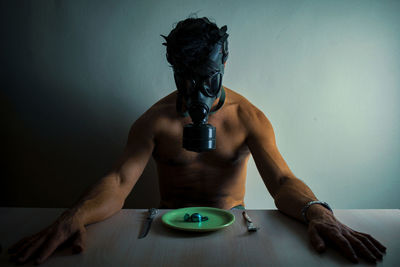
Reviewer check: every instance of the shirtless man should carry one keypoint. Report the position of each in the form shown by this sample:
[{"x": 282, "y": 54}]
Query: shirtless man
[{"x": 214, "y": 177}]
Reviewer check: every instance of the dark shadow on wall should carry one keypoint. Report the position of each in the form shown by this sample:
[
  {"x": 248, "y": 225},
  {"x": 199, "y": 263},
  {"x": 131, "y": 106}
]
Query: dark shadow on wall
[
  {"x": 54, "y": 172},
  {"x": 63, "y": 124}
]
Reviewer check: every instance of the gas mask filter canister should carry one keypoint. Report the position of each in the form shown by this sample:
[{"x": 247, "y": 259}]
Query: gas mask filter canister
[
  {"x": 199, "y": 89},
  {"x": 200, "y": 136}
]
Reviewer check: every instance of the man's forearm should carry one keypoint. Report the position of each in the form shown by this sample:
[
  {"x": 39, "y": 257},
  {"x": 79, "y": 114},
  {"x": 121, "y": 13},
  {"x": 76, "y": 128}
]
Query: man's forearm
[
  {"x": 293, "y": 195},
  {"x": 100, "y": 201}
]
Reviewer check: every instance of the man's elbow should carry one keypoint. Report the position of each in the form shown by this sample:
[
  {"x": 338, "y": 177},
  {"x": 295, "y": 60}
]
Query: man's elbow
[{"x": 283, "y": 182}]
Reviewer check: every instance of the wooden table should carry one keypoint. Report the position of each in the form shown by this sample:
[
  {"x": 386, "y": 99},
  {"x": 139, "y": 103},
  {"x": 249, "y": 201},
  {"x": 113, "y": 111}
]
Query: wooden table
[{"x": 281, "y": 241}]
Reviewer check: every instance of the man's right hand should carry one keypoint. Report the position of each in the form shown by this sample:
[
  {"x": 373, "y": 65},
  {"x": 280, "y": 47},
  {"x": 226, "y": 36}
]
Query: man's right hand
[{"x": 41, "y": 245}]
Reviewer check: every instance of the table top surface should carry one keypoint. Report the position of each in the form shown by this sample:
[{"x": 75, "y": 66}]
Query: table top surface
[{"x": 281, "y": 241}]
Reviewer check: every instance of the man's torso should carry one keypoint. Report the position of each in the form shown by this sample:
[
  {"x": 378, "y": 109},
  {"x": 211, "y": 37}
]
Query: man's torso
[{"x": 215, "y": 178}]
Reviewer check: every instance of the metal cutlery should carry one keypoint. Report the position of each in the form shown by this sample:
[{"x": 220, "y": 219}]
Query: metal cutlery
[
  {"x": 249, "y": 222},
  {"x": 149, "y": 220}
]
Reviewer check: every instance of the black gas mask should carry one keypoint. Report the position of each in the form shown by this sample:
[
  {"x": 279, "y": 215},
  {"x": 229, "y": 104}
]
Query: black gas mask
[{"x": 198, "y": 88}]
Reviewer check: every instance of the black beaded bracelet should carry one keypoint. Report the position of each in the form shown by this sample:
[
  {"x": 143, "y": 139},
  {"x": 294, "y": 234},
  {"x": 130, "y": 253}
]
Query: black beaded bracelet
[{"x": 304, "y": 210}]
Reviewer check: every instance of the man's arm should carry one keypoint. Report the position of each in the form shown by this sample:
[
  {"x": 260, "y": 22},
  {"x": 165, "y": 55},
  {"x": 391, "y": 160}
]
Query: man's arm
[
  {"x": 99, "y": 202},
  {"x": 108, "y": 195},
  {"x": 291, "y": 194}
]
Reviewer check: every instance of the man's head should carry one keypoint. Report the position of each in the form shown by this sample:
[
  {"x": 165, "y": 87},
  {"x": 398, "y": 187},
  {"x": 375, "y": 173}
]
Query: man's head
[
  {"x": 197, "y": 50},
  {"x": 190, "y": 44}
]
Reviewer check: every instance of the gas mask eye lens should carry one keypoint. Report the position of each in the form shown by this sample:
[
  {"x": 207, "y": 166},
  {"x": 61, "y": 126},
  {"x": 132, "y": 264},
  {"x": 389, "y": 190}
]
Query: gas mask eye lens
[
  {"x": 213, "y": 84},
  {"x": 184, "y": 85}
]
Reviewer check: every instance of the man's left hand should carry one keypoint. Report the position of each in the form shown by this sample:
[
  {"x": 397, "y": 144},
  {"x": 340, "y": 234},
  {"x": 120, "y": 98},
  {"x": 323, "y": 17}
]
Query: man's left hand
[{"x": 326, "y": 228}]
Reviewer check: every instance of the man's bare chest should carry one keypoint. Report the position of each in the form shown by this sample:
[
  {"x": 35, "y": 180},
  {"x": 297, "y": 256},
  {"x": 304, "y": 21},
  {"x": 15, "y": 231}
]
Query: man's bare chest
[{"x": 231, "y": 145}]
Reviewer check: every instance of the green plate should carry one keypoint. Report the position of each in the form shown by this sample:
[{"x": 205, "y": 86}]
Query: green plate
[{"x": 217, "y": 219}]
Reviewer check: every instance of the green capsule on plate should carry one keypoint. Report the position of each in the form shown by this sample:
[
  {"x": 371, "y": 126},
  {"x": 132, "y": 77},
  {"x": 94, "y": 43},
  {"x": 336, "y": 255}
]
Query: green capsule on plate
[
  {"x": 186, "y": 218},
  {"x": 196, "y": 217}
]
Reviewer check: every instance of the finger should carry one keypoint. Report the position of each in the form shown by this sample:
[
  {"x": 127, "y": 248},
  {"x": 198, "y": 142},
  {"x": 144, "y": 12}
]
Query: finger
[
  {"x": 316, "y": 240},
  {"x": 29, "y": 251},
  {"x": 16, "y": 245},
  {"x": 22, "y": 246},
  {"x": 79, "y": 243},
  {"x": 361, "y": 249},
  {"x": 369, "y": 245},
  {"x": 14, "y": 248},
  {"x": 48, "y": 248},
  {"x": 343, "y": 245},
  {"x": 374, "y": 241}
]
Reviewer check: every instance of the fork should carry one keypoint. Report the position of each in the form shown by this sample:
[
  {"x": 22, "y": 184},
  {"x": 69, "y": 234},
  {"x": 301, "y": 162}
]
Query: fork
[{"x": 249, "y": 222}]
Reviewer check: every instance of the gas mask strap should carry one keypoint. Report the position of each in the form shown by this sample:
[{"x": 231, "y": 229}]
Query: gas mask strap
[
  {"x": 220, "y": 102},
  {"x": 179, "y": 106}
]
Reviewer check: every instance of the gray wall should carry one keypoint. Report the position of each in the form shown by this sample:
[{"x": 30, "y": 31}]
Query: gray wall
[{"x": 76, "y": 74}]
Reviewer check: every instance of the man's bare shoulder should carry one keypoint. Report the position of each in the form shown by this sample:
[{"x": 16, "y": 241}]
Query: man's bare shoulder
[
  {"x": 158, "y": 115},
  {"x": 250, "y": 117},
  {"x": 166, "y": 106},
  {"x": 163, "y": 112},
  {"x": 246, "y": 110}
]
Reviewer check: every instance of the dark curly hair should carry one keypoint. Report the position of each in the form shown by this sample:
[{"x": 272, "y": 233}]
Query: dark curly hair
[{"x": 192, "y": 40}]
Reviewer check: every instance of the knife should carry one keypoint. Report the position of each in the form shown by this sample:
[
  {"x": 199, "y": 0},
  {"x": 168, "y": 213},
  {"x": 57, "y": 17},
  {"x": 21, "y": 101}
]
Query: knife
[
  {"x": 146, "y": 228},
  {"x": 249, "y": 222}
]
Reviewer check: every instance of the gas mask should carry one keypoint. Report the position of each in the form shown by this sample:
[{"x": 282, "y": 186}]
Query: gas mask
[{"x": 198, "y": 88}]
